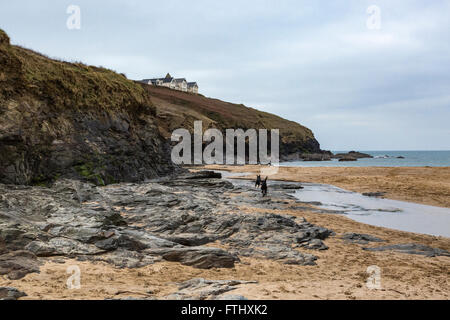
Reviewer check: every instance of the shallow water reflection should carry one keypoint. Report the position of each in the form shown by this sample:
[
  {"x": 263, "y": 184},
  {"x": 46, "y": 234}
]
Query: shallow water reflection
[
  {"x": 388, "y": 213},
  {"x": 394, "y": 214}
]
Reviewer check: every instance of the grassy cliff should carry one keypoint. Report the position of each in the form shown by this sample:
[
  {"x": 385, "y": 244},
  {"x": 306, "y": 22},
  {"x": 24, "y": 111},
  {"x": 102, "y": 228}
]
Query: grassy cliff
[
  {"x": 62, "y": 119},
  {"x": 64, "y": 85},
  {"x": 69, "y": 119},
  {"x": 177, "y": 109}
]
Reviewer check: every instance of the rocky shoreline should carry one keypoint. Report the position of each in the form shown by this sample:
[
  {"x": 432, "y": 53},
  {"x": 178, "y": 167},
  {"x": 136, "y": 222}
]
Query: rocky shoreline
[
  {"x": 193, "y": 220},
  {"x": 325, "y": 156},
  {"x": 197, "y": 236},
  {"x": 129, "y": 225}
]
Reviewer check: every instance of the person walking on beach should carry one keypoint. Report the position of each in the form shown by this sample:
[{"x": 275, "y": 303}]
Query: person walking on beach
[
  {"x": 258, "y": 181},
  {"x": 264, "y": 187}
]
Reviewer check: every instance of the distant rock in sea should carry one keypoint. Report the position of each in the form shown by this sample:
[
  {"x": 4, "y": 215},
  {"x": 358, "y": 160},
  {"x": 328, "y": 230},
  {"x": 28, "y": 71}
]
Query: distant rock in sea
[
  {"x": 315, "y": 157},
  {"x": 347, "y": 159},
  {"x": 306, "y": 156},
  {"x": 352, "y": 154}
]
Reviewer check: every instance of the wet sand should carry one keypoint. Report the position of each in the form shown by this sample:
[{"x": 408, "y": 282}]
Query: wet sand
[{"x": 426, "y": 185}]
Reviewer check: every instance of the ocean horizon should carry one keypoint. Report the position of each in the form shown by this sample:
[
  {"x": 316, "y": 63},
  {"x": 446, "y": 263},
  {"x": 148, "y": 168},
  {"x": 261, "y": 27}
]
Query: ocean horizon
[{"x": 384, "y": 158}]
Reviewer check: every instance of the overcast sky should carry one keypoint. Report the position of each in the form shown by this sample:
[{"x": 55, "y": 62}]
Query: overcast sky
[{"x": 320, "y": 63}]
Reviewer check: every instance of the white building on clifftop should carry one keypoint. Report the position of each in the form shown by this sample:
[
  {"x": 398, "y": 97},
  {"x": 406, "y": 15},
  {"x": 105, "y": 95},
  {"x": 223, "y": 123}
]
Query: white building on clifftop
[{"x": 179, "y": 84}]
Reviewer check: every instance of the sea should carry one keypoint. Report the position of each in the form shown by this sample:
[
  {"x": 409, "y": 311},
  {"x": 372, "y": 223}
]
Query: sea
[{"x": 384, "y": 159}]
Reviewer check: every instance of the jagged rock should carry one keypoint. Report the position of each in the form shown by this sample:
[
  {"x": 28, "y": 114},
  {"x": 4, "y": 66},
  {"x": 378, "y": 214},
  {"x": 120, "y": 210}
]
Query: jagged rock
[
  {"x": 413, "y": 248},
  {"x": 62, "y": 247},
  {"x": 9, "y": 293},
  {"x": 202, "y": 289},
  {"x": 133, "y": 225},
  {"x": 286, "y": 186},
  {"x": 360, "y": 238},
  {"x": 315, "y": 244},
  {"x": 144, "y": 240},
  {"x": 315, "y": 157},
  {"x": 202, "y": 175},
  {"x": 281, "y": 254},
  {"x": 191, "y": 239},
  {"x": 108, "y": 244},
  {"x": 14, "y": 235},
  {"x": 374, "y": 194},
  {"x": 198, "y": 257},
  {"x": 16, "y": 264}
]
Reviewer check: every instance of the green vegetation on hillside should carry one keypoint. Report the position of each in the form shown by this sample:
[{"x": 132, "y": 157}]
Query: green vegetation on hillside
[
  {"x": 62, "y": 119},
  {"x": 61, "y": 84},
  {"x": 180, "y": 110}
]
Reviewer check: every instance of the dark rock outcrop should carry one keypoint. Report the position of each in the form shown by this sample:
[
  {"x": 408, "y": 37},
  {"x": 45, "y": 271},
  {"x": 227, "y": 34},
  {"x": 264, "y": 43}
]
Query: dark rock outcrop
[
  {"x": 315, "y": 244},
  {"x": 16, "y": 264},
  {"x": 413, "y": 248},
  {"x": 286, "y": 186},
  {"x": 133, "y": 225},
  {"x": 374, "y": 194},
  {"x": 198, "y": 257},
  {"x": 352, "y": 155},
  {"x": 204, "y": 174},
  {"x": 9, "y": 293},
  {"x": 360, "y": 238},
  {"x": 315, "y": 155}
]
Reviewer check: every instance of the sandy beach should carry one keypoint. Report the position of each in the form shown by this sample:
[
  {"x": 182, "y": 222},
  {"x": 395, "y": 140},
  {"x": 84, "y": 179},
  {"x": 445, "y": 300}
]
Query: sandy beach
[{"x": 341, "y": 270}]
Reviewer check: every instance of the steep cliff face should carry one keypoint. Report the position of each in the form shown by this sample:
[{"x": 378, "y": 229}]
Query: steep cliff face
[
  {"x": 177, "y": 109},
  {"x": 69, "y": 119},
  {"x": 60, "y": 119}
]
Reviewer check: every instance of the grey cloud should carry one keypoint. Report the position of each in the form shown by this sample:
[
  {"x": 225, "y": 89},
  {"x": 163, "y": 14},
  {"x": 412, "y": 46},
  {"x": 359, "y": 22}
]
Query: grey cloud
[{"x": 308, "y": 61}]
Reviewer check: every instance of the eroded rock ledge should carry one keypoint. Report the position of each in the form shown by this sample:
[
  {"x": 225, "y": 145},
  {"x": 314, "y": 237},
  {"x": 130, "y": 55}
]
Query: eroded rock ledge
[{"x": 196, "y": 220}]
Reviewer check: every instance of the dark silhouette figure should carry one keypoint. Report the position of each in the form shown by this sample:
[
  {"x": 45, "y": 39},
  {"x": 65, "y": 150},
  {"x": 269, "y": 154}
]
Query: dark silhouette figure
[
  {"x": 264, "y": 187},
  {"x": 258, "y": 181}
]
